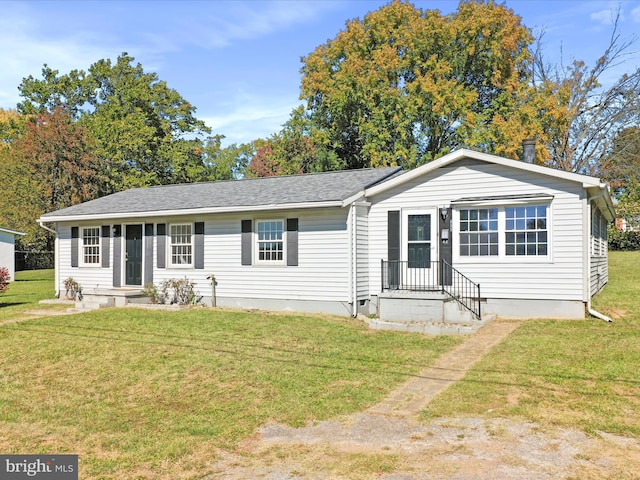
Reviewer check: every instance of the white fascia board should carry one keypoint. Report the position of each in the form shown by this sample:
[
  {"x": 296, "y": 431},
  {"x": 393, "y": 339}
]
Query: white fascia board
[
  {"x": 192, "y": 211},
  {"x": 12, "y": 232},
  {"x": 452, "y": 157}
]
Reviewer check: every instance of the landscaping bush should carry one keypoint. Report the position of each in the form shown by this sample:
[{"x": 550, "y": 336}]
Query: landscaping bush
[
  {"x": 625, "y": 240},
  {"x": 4, "y": 279},
  {"x": 173, "y": 291}
]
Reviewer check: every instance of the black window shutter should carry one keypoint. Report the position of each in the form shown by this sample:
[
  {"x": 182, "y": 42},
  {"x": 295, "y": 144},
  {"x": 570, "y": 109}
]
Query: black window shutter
[
  {"x": 292, "y": 242},
  {"x": 148, "y": 253},
  {"x": 161, "y": 244},
  {"x": 393, "y": 235},
  {"x": 199, "y": 246},
  {"x": 247, "y": 247},
  {"x": 117, "y": 255},
  {"x": 75, "y": 233},
  {"x": 106, "y": 234}
]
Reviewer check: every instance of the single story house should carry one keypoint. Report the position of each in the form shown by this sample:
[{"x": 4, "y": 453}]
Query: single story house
[
  {"x": 7, "y": 250},
  {"x": 512, "y": 237}
]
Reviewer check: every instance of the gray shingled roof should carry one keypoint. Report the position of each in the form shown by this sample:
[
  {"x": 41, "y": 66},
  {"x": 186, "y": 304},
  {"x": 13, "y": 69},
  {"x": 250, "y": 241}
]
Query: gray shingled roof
[{"x": 294, "y": 189}]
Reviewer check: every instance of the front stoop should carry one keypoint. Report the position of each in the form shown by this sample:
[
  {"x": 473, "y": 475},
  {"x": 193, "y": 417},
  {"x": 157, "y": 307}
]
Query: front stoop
[
  {"x": 105, "y": 298},
  {"x": 432, "y": 313}
]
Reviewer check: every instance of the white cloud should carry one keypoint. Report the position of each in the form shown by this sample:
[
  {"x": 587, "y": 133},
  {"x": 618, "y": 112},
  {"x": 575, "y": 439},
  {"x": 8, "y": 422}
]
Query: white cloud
[
  {"x": 250, "y": 20},
  {"x": 635, "y": 15},
  {"x": 604, "y": 17}
]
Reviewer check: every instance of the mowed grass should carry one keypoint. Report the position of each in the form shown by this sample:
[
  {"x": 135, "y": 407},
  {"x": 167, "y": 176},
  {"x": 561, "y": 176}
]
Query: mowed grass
[
  {"x": 154, "y": 394},
  {"x": 583, "y": 374},
  {"x": 25, "y": 292}
]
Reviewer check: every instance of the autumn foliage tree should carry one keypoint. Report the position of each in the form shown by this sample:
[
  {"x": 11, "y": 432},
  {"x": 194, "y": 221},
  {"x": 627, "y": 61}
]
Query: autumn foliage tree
[
  {"x": 53, "y": 166},
  {"x": 298, "y": 148},
  {"x": 403, "y": 86}
]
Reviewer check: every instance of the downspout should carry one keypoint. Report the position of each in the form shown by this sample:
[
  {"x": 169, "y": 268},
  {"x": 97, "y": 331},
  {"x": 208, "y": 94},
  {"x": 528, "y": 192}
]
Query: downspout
[
  {"x": 352, "y": 261},
  {"x": 591, "y": 311}
]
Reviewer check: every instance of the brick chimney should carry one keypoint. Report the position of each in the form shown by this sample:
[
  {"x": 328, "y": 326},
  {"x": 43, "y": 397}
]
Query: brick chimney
[{"x": 529, "y": 150}]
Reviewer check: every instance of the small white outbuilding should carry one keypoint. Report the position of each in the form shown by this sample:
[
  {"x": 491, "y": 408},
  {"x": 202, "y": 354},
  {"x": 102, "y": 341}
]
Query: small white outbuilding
[{"x": 7, "y": 250}]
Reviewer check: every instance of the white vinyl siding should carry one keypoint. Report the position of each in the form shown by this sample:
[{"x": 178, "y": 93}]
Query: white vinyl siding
[
  {"x": 323, "y": 256},
  {"x": 559, "y": 276},
  {"x": 362, "y": 252},
  {"x": 87, "y": 277}
]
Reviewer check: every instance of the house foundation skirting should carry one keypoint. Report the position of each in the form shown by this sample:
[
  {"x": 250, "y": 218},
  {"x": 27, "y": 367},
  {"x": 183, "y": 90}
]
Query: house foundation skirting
[
  {"x": 520, "y": 308},
  {"x": 310, "y": 306}
]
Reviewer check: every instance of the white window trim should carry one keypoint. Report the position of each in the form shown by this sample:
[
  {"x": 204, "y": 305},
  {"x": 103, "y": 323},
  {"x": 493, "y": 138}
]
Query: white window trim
[
  {"x": 256, "y": 243},
  {"x": 82, "y": 246},
  {"x": 502, "y": 256},
  {"x": 169, "y": 263}
]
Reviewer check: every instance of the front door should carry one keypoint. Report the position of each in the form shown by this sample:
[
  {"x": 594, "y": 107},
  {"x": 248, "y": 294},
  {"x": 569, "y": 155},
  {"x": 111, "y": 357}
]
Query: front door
[
  {"x": 133, "y": 255},
  {"x": 421, "y": 248}
]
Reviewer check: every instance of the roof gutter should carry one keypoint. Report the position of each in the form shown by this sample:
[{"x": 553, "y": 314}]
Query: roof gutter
[
  {"x": 48, "y": 229},
  {"x": 194, "y": 211}
]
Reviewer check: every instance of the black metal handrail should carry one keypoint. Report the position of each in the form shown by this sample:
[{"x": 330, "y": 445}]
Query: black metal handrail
[
  {"x": 432, "y": 277},
  {"x": 462, "y": 289}
]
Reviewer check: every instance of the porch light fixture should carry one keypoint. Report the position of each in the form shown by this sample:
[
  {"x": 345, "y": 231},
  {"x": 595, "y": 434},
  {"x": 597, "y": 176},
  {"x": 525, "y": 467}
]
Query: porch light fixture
[{"x": 444, "y": 210}]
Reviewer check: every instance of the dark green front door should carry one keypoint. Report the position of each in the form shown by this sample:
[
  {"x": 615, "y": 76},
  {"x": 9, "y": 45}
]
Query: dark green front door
[{"x": 133, "y": 255}]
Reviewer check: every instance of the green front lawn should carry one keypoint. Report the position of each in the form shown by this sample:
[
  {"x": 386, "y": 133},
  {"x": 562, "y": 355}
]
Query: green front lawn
[
  {"x": 152, "y": 394},
  {"x": 583, "y": 373}
]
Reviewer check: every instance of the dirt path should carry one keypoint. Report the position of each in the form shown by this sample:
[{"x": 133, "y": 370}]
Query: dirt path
[{"x": 388, "y": 442}]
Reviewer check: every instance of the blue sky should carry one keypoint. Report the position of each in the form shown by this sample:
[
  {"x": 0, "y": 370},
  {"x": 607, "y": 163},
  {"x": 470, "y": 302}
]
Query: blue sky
[{"x": 238, "y": 61}]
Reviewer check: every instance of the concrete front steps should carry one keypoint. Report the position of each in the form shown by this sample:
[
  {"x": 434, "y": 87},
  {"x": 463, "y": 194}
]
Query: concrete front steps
[
  {"x": 105, "y": 298},
  {"x": 433, "y": 313}
]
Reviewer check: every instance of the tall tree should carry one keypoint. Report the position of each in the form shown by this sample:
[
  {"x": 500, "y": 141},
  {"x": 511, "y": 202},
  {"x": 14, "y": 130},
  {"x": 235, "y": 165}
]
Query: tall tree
[
  {"x": 403, "y": 85},
  {"x": 587, "y": 117},
  {"x": 146, "y": 133},
  {"x": 53, "y": 166},
  {"x": 298, "y": 148}
]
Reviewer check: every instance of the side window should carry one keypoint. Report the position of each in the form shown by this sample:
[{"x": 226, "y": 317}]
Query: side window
[
  {"x": 181, "y": 239},
  {"x": 270, "y": 240},
  {"x": 91, "y": 245}
]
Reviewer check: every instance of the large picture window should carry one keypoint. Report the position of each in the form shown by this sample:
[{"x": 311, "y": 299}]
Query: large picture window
[
  {"x": 526, "y": 230},
  {"x": 270, "y": 240},
  {"x": 504, "y": 231},
  {"x": 91, "y": 245},
  {"x": 181, "y": 244},
  {"x": 479, "y": 232}
]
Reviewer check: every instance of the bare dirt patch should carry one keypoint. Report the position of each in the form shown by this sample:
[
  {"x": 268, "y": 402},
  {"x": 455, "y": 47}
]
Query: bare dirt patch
[{"x": 371, "y": 446}]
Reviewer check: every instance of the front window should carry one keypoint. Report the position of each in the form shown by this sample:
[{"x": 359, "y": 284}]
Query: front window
[
  {"x": 270, "y": 240},
  {"x": 526, "y": 231},
  {"x": 91, "y": 245},
  {"x": 181, "y": 244},
  {"x": 479, "y": 232}
]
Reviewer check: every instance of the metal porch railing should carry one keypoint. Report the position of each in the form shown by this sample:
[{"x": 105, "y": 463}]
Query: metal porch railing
[{"x": 432, "y": 277}]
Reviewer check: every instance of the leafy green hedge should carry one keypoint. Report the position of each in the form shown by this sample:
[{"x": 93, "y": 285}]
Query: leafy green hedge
[{"x": 629, "y": 240}]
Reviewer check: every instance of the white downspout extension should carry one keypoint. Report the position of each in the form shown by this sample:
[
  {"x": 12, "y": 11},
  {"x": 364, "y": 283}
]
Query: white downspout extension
[
  {"x": 591, "y": 311},
  {"x": 352, "y": 261}
]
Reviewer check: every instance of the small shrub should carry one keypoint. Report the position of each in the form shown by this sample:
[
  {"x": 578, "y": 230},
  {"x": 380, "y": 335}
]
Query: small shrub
[
  {"x": 151, "y": 291},
  {"x": 4, "y": 279},
  {"x": 173, "y": 291},
  {"x": 74, "y": 289}
]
